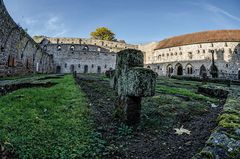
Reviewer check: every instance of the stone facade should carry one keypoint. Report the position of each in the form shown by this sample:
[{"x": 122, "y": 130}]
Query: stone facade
[
  {"x": 194, "y": 59},
  {"x": 83, "y": 55},
  {"x": 188, "y": 55},
  {"x": 19, "y": 54}
]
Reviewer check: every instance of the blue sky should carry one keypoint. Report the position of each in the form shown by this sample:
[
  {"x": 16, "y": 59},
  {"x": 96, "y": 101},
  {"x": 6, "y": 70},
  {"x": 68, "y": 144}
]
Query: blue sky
[{"x": 135, "y": 21}]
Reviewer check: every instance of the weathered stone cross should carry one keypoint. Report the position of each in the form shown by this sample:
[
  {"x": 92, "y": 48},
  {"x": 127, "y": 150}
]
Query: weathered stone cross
[{"x": 132, "y": 82}]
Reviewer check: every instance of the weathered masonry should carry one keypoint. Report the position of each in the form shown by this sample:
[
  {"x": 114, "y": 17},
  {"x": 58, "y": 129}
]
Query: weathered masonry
[
  {"x": 193, "y": 54},
  {"x": 83, "y": 55},
  {"x": 19, "y": 53}
]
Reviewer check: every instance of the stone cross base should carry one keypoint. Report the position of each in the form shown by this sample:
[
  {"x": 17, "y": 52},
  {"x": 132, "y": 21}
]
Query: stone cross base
[{"x": 132, "y": 81}]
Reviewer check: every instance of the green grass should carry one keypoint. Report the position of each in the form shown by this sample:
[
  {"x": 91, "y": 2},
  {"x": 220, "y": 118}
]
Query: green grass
[
  {"x": 182, "y": 91},
  {"x": 169, "y": 105},
  {"x": 48, "y": 123}
]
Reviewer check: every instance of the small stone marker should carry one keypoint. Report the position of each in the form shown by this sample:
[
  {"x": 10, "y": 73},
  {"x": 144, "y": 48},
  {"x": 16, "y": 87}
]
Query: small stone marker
[{"x": 132, "y": 82}]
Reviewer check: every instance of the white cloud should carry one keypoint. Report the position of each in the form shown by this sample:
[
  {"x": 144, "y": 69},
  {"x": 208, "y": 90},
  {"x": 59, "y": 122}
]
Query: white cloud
[
  {"x": 218, "y": 10},
  {"x": 219, "y": 16}
]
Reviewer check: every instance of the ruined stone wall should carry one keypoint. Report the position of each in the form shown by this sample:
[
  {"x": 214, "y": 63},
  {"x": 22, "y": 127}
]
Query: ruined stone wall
[
  {"x": 110, "y": 45},
  {"x": 226, "y": 55},
  {"x": 19, "y": 54},
  {"x": 80, "y": 58}
]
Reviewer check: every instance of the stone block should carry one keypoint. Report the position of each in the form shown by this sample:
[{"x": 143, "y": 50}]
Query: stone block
[{"x": 138, "y": 82}]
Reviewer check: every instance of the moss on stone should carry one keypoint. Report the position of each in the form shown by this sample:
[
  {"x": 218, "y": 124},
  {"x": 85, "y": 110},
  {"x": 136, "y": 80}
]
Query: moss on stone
[{"x": 229, "y": 121}]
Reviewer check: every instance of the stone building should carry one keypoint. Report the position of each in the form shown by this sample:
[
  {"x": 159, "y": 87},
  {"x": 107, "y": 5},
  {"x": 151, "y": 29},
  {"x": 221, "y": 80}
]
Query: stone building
[
  {"x": 83, "y": 55},
  {"x": 19, "y": 53},
  {"x": 193, "y": 54}
]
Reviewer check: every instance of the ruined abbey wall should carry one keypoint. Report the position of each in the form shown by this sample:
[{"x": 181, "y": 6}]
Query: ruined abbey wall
[
  {"x": 193, "y": 59},
  {"x": 80, "y": 58},
  {"x": 19, "y": 53},
  {"x": 83, "y": 55},
  {"x": 110, "y": 45}
]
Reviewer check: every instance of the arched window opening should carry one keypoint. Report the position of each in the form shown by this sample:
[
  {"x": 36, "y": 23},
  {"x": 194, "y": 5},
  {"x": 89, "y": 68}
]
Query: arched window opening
[
  {"x": 11, "y": 61},
  {"x": 190, "y": 55},
  {"x": 92, "y": 66},
  {"x": 99, "y": 69},
  {"x": 65, "y": 65},
  {"x": 179, "y": 69},
  {"x": 169, "y": 70},
  {"x": 189, "y": 69},
  {"x": 58, "y": 69},
  {"x": 72, "y": 48},
  {"x": 59, "y": 48},
  {"x": 86, "y": 69},
  {"x": 79, "y": 65},
  {"x": 2, "y": 49},
  {"x": 28, "y": 64},
  {"x": 105, "y": 66},
  {"x": 85, "y": 48},
  {"x": 72, "y": 68}
]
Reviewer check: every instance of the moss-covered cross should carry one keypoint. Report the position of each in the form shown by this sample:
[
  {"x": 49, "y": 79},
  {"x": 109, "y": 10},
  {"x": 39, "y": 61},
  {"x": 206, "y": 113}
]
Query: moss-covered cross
[{"x": 132, "y": 82}]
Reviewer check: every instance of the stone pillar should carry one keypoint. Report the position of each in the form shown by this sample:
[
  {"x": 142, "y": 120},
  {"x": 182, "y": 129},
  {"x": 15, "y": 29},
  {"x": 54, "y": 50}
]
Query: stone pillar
[{"x": 132, "y": 81}]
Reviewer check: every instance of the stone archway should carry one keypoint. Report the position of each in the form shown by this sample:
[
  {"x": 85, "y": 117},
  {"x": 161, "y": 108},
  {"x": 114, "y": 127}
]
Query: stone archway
[
  {"x": 179, "y": 69},
  {"x": 203, "y": 71},
  {"x": 72, "y": 69},
  {"x": 214, "y": 71},
  {"x": 58, "y": 70},
  {"x": 86, "y": 69},
  {"x": 189, "y": 69},
  {"x": 99, "y": 69},
  {"x": 239, "y": 75},
  {"x": 169, "y": 70}
]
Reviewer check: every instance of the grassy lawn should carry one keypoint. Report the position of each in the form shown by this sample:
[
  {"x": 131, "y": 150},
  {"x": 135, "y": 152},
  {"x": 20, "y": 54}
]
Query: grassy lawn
[{"x": 48, "y": 123}]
